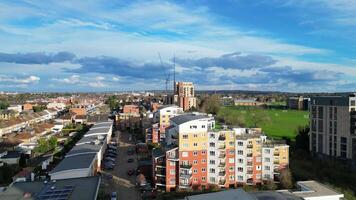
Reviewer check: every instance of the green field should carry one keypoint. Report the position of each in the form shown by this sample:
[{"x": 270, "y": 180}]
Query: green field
[{"x": 281, "y": 123}]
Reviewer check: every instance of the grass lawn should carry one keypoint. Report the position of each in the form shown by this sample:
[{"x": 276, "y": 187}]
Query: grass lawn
[{"x": 283, "y": 123}]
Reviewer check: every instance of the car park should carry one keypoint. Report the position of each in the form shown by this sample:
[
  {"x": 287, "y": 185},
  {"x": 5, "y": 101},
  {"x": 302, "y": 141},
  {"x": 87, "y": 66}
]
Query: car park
[
  {"x": 130, "y": 160},
  {"x": 112, "y": 148},
  {"x": 111, "y": 151},
  {"x": 109, "y": 159},
  {"x": 111, "y": 156}
]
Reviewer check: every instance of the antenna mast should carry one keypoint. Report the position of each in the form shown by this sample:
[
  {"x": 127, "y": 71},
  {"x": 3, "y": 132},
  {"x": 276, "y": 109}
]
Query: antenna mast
[
  {"x": 174, "y": 74},
  {"x": 166, "y": 75}
]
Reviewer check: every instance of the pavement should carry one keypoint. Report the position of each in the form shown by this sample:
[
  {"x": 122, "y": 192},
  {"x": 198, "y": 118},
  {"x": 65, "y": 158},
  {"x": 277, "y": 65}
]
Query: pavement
[{"x": 122, "y": 183}]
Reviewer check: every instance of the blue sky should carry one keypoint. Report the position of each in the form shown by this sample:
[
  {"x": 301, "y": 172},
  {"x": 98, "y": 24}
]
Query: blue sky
[{"x": 284, "y": 45}]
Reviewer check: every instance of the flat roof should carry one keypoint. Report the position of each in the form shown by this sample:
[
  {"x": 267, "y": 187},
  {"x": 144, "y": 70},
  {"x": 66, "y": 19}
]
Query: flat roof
[
  {"x": 181, "y": 119},
  {"x": 273, "y": 195},
  {"x": 82, "y": 188},
  {"x": 98, "y": 130},
  {"x": 84, "y": 148},
  {"x": 314, "y": 189},
  {"x": 233, "y": 194},
  {"x": 75, "y": 162}
]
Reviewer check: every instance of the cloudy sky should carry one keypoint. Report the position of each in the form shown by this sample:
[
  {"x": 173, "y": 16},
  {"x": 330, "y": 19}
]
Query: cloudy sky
[{"x": 284, "y": 45}]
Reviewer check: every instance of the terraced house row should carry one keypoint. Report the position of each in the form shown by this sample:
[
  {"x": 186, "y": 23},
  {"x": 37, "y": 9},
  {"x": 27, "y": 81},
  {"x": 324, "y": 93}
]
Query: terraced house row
[{"x": 197, "y": 155}]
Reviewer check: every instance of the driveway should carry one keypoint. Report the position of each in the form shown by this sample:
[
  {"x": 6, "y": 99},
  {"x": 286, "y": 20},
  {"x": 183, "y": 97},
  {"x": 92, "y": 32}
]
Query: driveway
[{"x": 121, "y": 183}]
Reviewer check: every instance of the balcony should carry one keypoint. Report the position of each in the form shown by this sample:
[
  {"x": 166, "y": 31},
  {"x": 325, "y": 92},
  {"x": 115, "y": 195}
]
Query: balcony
[
  {"x": 222, "y": 173},
  {"x": 222, "y": 164},
  {"x": 222, "y": 155},
  {"x": 160, "y": 172},
  {"x": 249, "y": 146},
  {"x": 276, "y": 171},
  {"x": 249, "y": 155},
  {"x": 249, "y": 171},
  {"x": 249, "y": 163},
  {"x": 222, "y": 146},
  {"x": 222, "y": 181},
  {"x": 249, "y": 181},
  {"x": 160, "y": 162},
  {"x": 161, "y": 182},
  {"x": 276, "y": 154},
  {"x": 276, "y": 162},
  {"x": 185, "y": 166},
  {"x": 222, "y": 138}
]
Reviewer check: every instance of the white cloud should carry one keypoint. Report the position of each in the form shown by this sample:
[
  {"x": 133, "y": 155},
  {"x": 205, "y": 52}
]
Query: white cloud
[{"x": 22, "y": 80}]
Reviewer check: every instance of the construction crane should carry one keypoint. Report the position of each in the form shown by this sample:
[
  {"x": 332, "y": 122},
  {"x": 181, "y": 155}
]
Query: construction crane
[{"x": 166, "y": 74}]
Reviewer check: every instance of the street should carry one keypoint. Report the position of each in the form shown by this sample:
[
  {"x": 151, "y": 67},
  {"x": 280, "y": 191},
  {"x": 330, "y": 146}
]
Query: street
[{"x": 122, "y": 183}]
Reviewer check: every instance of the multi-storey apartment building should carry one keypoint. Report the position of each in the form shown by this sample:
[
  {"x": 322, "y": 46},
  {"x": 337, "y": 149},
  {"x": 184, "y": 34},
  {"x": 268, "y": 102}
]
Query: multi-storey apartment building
[
  {"x": 333, "y": 126},
  {"x": 183, "y": 95},
  {"x": 161, "y": 121},
  {"x": 226, "y": 158}
]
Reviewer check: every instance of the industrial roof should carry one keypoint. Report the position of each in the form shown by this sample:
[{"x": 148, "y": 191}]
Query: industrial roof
[
  {"x": 75, "y": 162},
  {"x": 181, "y": 119},
  {"x": 314, "y": 189},
  {"x": 98, "y": 130},
  {"x": 81, "y": 188},
  {"x": 84, "y": 148},
  {"x": 89, "y": 139}
]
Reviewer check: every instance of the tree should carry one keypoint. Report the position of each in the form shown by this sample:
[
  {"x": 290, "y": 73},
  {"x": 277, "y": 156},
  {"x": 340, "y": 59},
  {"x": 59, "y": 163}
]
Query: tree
[
  {"x": 38, "y": 108},
  {"x": 286, "y": 179},
  {"x": 259, "y": 117},
  {"x": 4, "y": 105},
  {"x": 113, "y": 103},
  {"x": 52, "y": 142},
  {"x": 269, "y": 185},
  {"x": 302, "y": 138},
  {"x": 211, "y": 104}
]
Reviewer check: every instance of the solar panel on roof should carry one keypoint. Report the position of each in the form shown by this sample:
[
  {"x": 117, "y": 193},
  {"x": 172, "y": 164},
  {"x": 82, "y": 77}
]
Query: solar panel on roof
[{"x": 50, "y": 193}]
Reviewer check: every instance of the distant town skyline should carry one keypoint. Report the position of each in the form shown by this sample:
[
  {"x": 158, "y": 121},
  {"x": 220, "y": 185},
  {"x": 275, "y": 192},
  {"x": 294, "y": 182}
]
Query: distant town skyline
[{"x": 288, "y": 46}]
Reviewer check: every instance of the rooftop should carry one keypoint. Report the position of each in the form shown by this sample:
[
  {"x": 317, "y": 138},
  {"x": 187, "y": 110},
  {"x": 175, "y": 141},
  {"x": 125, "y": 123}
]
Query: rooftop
[
  {"x": 75, "y": 162},
  {"x": 236, "y": 194},
  {"x": 79, "y": 188},
  {"x": 314, "y": 189},
  {"x": 181, "y": 119}
]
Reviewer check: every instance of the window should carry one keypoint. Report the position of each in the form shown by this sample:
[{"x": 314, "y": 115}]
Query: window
[
  {"x": 184, "y": 154},
  {"x": 203, "y": 161},
  {"x": 195, "y": 171},
  {"x": 267, "y": 160},
  {"x": 195, "y": 162},
  {"x": 203, "y": 170},
  {"x": 267, "y": 151},
  {"x": 212, "y": 135},
  {"x": 231, "y": 160},
  {"x": 240, "y": 169},
  {"x": 240, "y": 152},
  {"x": 172, "y": 172},
  {"x": 195, "y": 179},
  {"x": 195, "y": 144},
  {"x": 172, "y": 181},
  {"x": 240, "y": 143},
  {"x": 203, "y": 126},
  {"x": 267, "y": 176},
  {"x": 203, "y": 179},
  {"x": 212, "y": 144},
  {"x": 232, "y": 177},
  {"x": 212, "y": 179},
  {"x": 231, "y": 144},
  {"x": 195, "y": 153},
  {"x": 241, "y": 160},
  {"x": 352, "y": 103},
  {"x": 195, "y": 135},
  {"x": 240, "y": 178},
  {"x": 172, "y": 163},
  {"x": 212, "y": 162},
  {"x": 267, "y": 168},
  {"x": 203, "y": 152},
  {"x": 185, "y": 136},
  {"x": 231, "y": 169},
  {"x": 231, "y": 152},
  {"x": 185, "y": 145},
  {"x": 212, "y": 170},
  {"x": 212, "y": 153}
]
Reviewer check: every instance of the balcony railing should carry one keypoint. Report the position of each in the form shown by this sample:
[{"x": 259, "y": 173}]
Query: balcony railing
[
  {"x": 249, "y": 171},
  {"x": 249, "y": 146},
  {"x": 276, "y": 162},
  {"x": 186, "y": 166},
  {"x": 249, "y": 155},
  {"x": 222, "y": 182},
  {"x": 222, "y": 155},
  {"x": 222, "y": 137},
  {"x": 276, "y": 171},
  {"x": 276, "y": 154},
  {"x": 222, "y": 164},
  {"x": 249, "y": 163},
  {"x": 222, "y": 173},
  {"x": 223, "y": 146}
]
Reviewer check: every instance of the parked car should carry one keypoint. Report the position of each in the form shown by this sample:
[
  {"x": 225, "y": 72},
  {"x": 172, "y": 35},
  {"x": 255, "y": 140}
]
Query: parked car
[
  {"x": 130, "y": 172},
  {"x": 112, "y": 148},
  {"x": 130, "y": 160},
  {"x": 130, "y": 153},
  {"x": 111, "y": 155},
  {"x": 109, "y": 159},
  {"x": 113, "y": 196},
  {"x": 111, "y": 151},
  {"x": 108, "y": 167}
]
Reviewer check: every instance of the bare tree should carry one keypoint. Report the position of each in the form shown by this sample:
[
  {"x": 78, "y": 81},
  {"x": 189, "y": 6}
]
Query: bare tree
[{"x": 286, "y": 179}]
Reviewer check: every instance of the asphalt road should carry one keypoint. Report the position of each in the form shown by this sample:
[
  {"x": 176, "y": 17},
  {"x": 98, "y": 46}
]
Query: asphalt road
[{"x": 121, "y": 183}]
